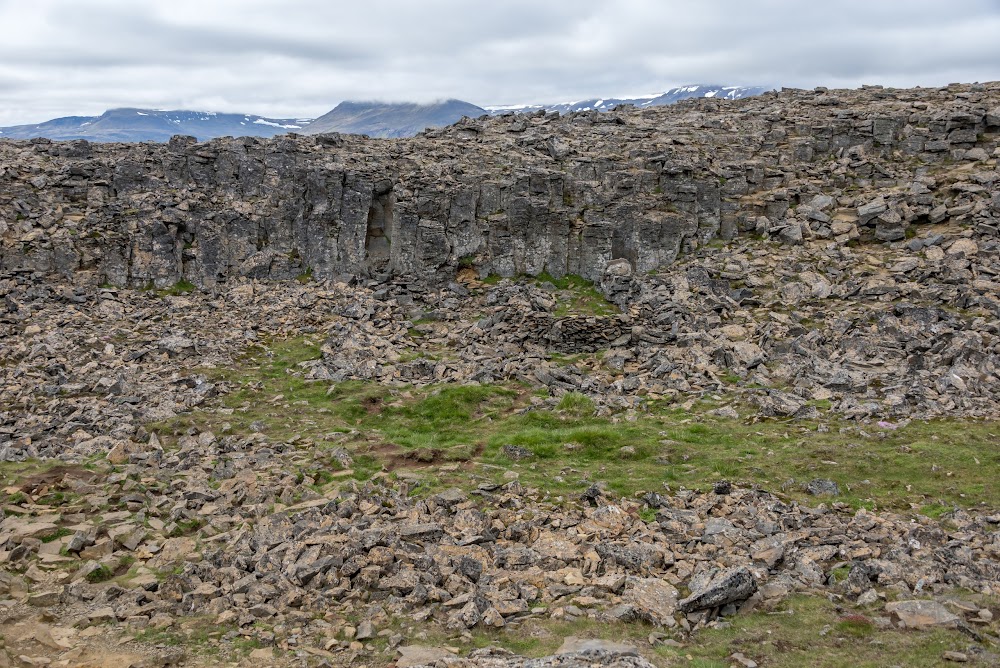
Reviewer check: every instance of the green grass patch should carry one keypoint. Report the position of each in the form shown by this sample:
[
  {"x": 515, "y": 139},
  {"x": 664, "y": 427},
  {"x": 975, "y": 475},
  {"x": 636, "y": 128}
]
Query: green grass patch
[
  {"x": 61, "y": 532},
  {"x": 16, "y": 499},
  {"x": 811, "y": 631},
  {"x": 100, "y": 574},
  {"x": 804, "y": 631},
  {"x": 577, "y": 296},
  {"x": 925, "y": 466},
  {"x": 185, "y": 527},
  {"x": 180, "y": 287},
  {"x": 576, "y": 404},
  {"x": 56, "y": 499}
]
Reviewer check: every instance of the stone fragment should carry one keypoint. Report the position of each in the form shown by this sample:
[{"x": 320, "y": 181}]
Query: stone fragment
[
  {"x": 791, "y": 234},
  {"x": 822, "y": 487},
  {"x": 964, "y": 247},
  {"x": 366, "y": 630},
  {"x": 419, "y": 532},
  {"x": 742, "y": 660},
  {"x": 652, "y": 599},
  {"x": 420, "y": 655},
  {"x": 719, "y": 588},
  {"x": 45, "y": 599},
  {"x": 869, "y": 211},
  {"x": 574, "y": 645},
  {"x": 889, "y": 226},
  {"x": 921, "y": 614},
  {"x": 492, "y": 618}
]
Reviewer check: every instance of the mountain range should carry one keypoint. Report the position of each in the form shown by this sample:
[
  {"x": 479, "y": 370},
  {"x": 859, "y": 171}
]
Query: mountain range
[
  {"x": 376, "y": 119},
  {"x": 132, "y": 125}
]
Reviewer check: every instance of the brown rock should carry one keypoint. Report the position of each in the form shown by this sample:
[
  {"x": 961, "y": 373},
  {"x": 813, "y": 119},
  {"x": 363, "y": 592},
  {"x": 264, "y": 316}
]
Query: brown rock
[{"x": 918, "y": 614}]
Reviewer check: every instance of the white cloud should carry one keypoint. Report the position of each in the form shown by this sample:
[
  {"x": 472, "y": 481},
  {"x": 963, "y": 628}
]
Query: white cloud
[{"x": 301, "y": 57}]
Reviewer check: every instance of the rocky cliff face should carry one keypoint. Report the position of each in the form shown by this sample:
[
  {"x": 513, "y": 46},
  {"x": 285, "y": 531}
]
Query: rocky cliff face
[{"x": 507, "y": 195}]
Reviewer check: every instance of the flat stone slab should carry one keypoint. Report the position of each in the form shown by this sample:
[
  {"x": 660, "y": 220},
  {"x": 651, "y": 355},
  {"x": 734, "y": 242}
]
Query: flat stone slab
[
  {"x": 922, "y": 614},
  {"x": 574, "y": 645},
  {"x": 420, "y": 655},
  {"x": 653, "y": 599}
]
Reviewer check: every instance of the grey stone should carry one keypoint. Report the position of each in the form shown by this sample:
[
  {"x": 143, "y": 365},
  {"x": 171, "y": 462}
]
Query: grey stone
[
  {"x": 791, "y": 234},
  {"x": 652, "y": 599},
  {"x": 890, "y": 226},
  {"x": 366, "y": 630},
  {"x": 869, "y": 211},
  {"x": 822, "y": 487},
  {"x": 574, "y": 645},
  {"x": 411, "y": 656},
  {"x": 419, "y": 532},
  {"x": 719, "y": 588}
]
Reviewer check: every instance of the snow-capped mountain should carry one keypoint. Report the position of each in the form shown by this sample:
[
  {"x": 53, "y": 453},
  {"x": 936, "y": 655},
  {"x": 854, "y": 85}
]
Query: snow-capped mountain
[
  {"x": 606, "y": 104},
  {"x": 131, "y": 125}
]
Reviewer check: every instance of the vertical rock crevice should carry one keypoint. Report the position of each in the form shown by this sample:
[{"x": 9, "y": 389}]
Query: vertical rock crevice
[{"x": 378, "y": 234}]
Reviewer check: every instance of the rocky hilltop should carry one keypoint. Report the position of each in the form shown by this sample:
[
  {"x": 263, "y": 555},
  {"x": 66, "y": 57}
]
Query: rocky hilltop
[{"x": 651, "y": 373}]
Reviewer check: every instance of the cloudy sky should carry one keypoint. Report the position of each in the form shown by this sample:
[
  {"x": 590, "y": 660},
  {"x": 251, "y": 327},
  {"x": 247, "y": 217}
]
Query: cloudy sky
[{"x": 289, "y": 58}]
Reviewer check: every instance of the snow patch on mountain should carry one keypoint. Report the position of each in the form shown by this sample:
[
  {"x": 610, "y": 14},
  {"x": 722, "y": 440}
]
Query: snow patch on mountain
[{"x": 607, "y": 104}]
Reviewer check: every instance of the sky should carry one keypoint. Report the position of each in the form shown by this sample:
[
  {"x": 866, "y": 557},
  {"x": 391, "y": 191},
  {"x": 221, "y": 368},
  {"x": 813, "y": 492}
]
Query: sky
[{"x": 300, "y": 58}]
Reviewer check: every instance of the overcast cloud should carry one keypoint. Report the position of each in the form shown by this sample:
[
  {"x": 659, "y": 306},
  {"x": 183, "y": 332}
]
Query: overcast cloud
[{"x": 292, "y": 58}]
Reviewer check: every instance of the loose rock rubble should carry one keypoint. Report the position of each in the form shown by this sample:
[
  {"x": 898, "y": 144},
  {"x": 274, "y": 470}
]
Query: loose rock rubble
[
  {"x": 494, "y": 558},
  {"x": 813, "y": 328},
  {"x": 493, "y": 658},
  {"x": 84, "y": 370}
]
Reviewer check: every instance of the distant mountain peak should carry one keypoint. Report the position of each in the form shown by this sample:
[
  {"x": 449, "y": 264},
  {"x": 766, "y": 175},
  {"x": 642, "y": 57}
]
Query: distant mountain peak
[{"x": 391, "y": 119}]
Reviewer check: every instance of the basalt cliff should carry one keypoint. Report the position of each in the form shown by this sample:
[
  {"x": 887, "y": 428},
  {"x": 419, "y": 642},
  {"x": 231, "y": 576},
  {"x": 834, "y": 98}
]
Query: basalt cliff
[{"x": 508, "y": 195}]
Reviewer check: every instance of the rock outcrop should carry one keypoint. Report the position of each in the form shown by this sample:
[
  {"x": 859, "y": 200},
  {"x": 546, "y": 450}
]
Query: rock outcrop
[{"x": 507, "y": 195}]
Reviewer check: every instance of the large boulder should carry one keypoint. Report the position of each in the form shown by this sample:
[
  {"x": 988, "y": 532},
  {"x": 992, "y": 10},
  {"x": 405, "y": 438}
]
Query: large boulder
[
  {"x": 922, "y": 614},
  {"x": 718, "y": 588}
]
